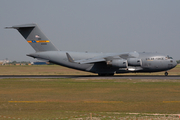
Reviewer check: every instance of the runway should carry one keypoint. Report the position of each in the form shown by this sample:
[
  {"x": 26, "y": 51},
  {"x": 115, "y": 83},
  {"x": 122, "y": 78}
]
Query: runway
[{"x": 173, "y": 77}]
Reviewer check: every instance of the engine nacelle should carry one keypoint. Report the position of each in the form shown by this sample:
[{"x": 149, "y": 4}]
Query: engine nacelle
[
  {"x": 134, "y": 62},
  {"x": 120, "y": 63}
]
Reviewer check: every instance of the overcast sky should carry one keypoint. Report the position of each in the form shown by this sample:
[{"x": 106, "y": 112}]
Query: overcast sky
[{"x": 93, "y": 25}]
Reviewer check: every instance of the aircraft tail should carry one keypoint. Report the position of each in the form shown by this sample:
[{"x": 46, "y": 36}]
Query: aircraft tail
[{"x": 35, "y": 37}]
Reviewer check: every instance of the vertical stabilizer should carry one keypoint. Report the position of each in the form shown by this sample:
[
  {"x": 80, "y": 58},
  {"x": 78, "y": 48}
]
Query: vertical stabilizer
[{"x": 35, "y": 37}]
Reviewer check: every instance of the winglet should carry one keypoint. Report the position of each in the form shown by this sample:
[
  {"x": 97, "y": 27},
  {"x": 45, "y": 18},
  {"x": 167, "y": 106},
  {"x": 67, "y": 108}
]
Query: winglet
[{"x": 69, "y": 58}]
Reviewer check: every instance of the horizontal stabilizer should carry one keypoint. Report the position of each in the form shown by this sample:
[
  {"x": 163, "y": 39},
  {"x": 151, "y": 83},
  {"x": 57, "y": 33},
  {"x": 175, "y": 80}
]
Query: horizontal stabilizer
[{"x": 22, "y": 26}]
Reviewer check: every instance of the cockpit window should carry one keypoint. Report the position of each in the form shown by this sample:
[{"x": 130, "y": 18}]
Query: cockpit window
[{"x": 168, "y": 57}]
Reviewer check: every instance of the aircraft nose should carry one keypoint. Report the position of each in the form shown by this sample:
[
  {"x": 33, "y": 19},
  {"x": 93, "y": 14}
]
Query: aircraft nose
[{"x": 174, "y": 63}]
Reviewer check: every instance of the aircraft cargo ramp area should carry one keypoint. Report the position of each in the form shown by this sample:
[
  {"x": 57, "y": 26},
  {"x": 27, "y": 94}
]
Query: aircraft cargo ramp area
[{"x": 87, "y": 98}]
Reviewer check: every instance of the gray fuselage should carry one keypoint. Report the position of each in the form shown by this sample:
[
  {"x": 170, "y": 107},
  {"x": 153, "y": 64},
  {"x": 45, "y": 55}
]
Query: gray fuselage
[{"x": 150, "y": 62}]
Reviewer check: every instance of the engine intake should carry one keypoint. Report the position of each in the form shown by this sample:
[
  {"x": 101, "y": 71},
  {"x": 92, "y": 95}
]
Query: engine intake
[
  {"x": 134, "y": 62},
  {"x": 120, "y": 63}
]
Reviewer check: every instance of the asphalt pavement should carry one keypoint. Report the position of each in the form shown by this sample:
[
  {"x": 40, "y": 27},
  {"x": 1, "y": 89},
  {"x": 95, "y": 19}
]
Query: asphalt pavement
[{"x": 177, "y": 77}]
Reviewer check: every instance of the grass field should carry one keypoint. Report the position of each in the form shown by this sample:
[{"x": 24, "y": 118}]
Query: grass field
[
  {"x": 59, "y": 70},
  {"x": 30, "y": 98},
  {"x": 60, "y": 98}
]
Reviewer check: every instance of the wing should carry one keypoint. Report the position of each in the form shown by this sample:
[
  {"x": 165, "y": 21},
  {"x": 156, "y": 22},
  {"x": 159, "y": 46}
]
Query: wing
[
  {"x": 101, "y": 58},
  {"x": 91, "y": 60}
]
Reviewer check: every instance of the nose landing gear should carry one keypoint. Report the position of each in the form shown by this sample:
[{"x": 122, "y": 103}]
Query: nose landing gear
[{"x": 166, "y": 73}]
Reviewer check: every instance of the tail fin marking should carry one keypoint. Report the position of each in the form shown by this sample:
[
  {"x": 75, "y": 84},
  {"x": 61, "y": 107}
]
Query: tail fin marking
[{"x": 35, "y": 37}]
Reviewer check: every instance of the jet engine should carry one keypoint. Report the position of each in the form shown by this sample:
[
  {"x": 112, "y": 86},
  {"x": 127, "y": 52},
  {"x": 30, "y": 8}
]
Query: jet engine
[
  {"x": 134, "y": 62},
  {"x": 120, "y": 63}
]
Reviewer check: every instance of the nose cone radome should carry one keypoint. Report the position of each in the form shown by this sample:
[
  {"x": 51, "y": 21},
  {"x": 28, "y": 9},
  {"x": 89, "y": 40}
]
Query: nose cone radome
[{"x": 174, "y": 63}]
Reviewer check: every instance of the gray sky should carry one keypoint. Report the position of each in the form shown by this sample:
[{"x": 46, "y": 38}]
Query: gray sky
[{"x": 93, "y": 25}]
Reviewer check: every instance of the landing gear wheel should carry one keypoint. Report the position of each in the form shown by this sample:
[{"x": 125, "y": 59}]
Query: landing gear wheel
[
  {"x": 105, "y": 74},
  {"x": 166, "y": 73},
  {"x": 101, "y": 74},
  {"x": 110, "y": 74}
]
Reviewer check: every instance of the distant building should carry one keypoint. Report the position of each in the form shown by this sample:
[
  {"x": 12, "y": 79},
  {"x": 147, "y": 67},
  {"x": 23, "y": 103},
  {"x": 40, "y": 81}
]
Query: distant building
[
  {"x": 3, "y": 62},
  {"x": 39, "y": 63}
]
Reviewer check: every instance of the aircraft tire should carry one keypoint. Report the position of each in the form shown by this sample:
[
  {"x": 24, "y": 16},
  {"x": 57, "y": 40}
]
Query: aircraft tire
[
  {"x": 105, "y": 74},
  {"x": 166, "y": 73}
]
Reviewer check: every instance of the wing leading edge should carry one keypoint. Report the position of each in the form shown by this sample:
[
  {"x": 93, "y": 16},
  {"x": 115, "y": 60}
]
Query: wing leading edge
[{"x": 101, "y": 58}]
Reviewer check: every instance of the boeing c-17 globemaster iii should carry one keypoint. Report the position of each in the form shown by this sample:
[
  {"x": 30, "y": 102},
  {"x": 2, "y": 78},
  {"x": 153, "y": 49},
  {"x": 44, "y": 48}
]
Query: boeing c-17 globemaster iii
[{"x": 104, "y": 64}]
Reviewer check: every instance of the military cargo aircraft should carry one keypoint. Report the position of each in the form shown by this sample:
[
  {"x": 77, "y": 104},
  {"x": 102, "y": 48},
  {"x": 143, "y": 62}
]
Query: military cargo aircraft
[{"x": 104, "y": 64}]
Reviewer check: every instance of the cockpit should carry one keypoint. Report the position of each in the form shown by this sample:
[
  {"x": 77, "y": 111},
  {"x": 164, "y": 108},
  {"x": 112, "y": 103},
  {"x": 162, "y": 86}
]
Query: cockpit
[{"x": 168, "y": 57}]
